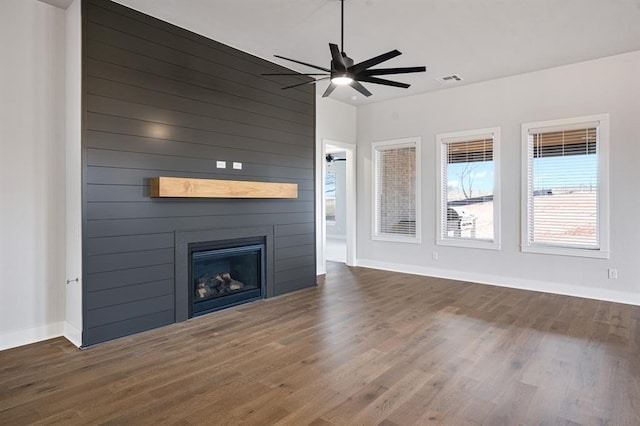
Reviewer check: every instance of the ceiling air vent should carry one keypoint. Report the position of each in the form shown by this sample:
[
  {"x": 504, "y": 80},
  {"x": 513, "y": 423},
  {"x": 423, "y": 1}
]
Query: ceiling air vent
[{"x": 449, "y": 79}]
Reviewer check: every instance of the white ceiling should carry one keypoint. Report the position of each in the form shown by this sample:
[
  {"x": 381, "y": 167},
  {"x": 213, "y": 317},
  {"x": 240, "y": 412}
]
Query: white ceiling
[
  {"x": 62, "y": 4},
  {"x": 477, "y": 39}
]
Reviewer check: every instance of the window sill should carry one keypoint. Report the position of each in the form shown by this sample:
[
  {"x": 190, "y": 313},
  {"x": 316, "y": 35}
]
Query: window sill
[
  {"x": 396, "y": 239},
  {"x": 566, "y": 251},
  {"x": 469, "y": 243}
]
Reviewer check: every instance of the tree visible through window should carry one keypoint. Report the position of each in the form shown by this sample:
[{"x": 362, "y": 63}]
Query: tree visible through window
[{"x": 468, "y": 188}]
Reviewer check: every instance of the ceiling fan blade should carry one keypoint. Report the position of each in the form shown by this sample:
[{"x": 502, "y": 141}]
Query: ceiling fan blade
[
  {"x": 387, "y": 71},
  {"x": 304, "y": 63},
  {"x": 374, "y": 61},
  {"x": 382, "y": 81},
  {"x": 360, "y": 88},
  {"x": 305, "y": 83},
  {"x": 291, "y": 73},
  {"x": 337, "y": 60},
  {"x": 330, "y": 89}
]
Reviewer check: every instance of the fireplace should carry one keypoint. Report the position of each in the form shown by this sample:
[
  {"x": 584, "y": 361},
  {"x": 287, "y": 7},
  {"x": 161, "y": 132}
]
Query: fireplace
[
  {"x": 225, "y": 273},
  {"x": 221, "y": 267}
]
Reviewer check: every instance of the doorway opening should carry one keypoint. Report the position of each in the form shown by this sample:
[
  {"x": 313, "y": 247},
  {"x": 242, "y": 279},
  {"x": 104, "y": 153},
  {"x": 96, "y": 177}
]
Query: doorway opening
[
  {"x": 338, "y": 202},
  {"x": 335, "y": 209}
]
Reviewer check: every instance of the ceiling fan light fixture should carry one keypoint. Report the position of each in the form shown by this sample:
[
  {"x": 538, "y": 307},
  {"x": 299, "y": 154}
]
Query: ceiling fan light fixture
[
  {"x": 343, "y": 71},
  {"x": 342, "y": 79}
]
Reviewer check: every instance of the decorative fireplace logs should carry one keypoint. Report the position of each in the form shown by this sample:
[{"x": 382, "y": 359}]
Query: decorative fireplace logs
[{"x": 212, "y": 285}]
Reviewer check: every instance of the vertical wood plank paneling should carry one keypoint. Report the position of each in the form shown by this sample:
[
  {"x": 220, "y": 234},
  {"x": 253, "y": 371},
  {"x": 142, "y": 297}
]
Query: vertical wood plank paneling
[{"x": 160, "y": 100}]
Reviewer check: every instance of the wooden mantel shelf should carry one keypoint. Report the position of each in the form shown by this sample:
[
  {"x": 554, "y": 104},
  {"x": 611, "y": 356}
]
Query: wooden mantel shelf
[{"x": 212, "y": 188}]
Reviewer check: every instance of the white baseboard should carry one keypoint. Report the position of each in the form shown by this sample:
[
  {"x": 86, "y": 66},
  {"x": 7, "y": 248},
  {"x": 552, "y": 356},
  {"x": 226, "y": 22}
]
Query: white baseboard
[
  {"x": 512, "y": 282},
  {"x": 27, "y": 336},
  {"x": 73, "y": 334}
]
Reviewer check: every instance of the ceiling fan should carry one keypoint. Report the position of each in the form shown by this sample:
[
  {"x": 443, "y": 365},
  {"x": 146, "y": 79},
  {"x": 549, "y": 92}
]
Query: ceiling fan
[
  {"x": 344, "y": 72},
  {"x": 332, "y": 158}
]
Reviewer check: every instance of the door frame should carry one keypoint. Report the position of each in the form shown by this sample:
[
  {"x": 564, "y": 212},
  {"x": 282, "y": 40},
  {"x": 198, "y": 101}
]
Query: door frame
[{"x": 350, "y": 225}]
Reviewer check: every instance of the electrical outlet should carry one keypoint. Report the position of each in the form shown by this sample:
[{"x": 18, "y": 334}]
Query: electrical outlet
[
  {"x": 237, "y": 166},
  {"x": 221, "y": 164},
  {"x": 435, "y": 255},
  {"x": 613, "y": 274}
]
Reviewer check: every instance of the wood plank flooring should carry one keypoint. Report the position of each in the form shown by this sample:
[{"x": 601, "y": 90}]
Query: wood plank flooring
[{"x": 365, "y": 347}]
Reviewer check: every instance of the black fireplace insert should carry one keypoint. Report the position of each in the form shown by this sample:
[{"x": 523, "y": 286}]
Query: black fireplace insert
[{"x": 225, "y": 273}]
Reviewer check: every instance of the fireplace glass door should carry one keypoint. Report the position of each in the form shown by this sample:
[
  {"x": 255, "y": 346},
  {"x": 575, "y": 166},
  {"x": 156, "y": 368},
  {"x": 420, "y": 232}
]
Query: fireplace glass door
[{"x": 223, "y": 277}]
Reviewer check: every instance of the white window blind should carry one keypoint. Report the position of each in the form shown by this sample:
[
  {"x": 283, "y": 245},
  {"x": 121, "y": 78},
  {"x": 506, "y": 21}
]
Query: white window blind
[
  {"x": 563, "y": 179},
  {"x": 395, "y": 171}
]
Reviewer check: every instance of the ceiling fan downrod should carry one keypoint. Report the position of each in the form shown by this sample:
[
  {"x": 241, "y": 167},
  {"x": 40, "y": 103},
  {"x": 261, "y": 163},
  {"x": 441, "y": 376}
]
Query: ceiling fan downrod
[{"x": 342, "y": 27}]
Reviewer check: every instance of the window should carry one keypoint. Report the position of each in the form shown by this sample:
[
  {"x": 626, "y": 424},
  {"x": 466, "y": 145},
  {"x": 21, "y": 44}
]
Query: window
[
  {"x": 468, "y": 192},
  {"x": 396, "y": 193},
  {"x": 330, "y": 197},
  {"x": 565, "y": 186}
]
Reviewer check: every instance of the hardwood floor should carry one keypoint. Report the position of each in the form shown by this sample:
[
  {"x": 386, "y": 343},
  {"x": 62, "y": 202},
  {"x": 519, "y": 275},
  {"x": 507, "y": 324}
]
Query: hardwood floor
[{"x": 365, "y": 347}]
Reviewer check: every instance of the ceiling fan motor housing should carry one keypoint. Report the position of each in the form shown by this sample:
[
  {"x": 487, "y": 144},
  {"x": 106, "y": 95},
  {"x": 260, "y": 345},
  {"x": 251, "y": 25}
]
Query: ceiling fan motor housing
[{"x": 348, "y": 62}]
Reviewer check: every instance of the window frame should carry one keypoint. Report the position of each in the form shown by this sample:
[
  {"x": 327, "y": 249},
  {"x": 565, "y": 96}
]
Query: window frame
[
  {"x": 602, "y": 122},
  {"x": 395, "y": 144},
  {"x": 325, "y": 198},
  {"x": 459, "y": 136}
]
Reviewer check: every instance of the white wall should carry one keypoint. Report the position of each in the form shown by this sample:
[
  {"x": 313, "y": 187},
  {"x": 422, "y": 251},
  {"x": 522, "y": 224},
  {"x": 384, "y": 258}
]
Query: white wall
[
  {"x": 73, "y": 82},
  {"x": 32, "y": 172},
  {"x": 335, "y": 121},
  {"x": 608, "y": 85}
]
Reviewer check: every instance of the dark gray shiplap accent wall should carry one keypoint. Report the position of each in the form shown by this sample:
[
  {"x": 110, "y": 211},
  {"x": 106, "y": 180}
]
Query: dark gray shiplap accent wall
[{"x": 161, "y": 101}]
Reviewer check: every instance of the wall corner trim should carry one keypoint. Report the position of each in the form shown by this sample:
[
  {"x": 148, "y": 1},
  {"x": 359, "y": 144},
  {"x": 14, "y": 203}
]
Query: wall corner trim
[{"x": 73, "y": 334}]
